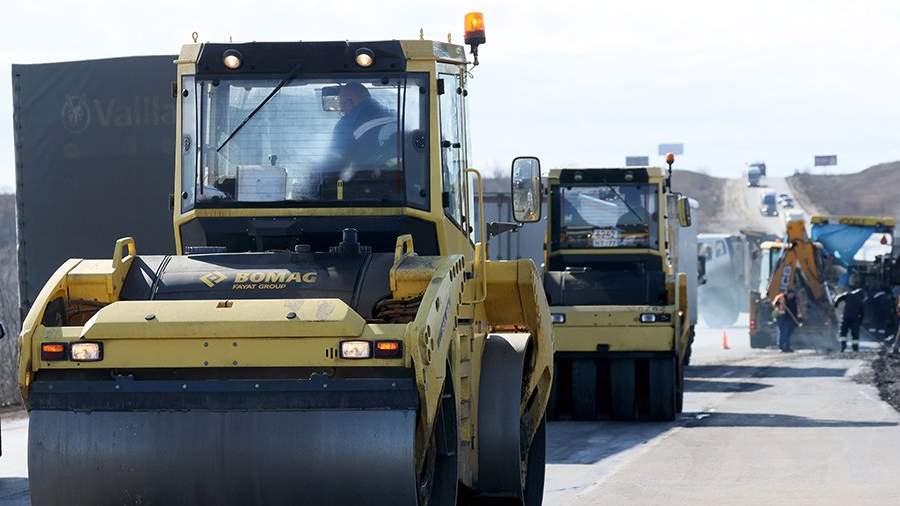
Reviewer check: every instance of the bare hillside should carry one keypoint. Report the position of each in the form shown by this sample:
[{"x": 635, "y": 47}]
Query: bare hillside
[
  {"x": 709, "y": 191},
  {"x": 874, "y": 191}
]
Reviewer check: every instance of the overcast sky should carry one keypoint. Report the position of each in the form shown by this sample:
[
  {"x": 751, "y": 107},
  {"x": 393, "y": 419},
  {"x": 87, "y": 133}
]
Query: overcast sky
[{"x": 575, "y": 83}]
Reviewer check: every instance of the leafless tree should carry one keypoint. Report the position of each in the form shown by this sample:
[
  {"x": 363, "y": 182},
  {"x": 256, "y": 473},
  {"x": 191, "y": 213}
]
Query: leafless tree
[{"x": 9, "y": 303}]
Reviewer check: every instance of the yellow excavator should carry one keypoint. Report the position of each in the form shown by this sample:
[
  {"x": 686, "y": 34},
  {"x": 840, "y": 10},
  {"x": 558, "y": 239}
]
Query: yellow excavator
[
  {"x": 814, "y": 266},
  {"x": 797, "y": 263},
  {"x": 329, "y": 331}
]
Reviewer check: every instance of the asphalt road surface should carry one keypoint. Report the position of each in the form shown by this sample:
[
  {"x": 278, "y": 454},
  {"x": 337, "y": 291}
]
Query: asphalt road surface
[{"x": 759, "y": 427}]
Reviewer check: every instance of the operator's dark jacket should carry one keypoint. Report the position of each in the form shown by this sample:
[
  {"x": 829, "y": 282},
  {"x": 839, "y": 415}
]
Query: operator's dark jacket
[
  {"x": 854, "y": 304},
  {"x": 358, "y": 137}
]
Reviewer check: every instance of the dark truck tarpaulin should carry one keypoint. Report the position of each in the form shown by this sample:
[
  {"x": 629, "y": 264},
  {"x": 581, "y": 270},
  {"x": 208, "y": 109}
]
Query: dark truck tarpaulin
[{"x": 95, "y": 147}]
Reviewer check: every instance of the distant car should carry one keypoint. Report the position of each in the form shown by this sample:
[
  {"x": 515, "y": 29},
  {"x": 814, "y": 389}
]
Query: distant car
[
  {"x": 768, "y": 204},
  {"x": 788, "y": 203},
  {"x": 782, "y": 196}
]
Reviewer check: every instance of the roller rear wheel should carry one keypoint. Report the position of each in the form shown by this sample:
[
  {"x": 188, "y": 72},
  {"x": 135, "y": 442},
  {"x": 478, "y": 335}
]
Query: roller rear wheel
[
  {"x": 584, "y": 389},
  {"x": 663, "y": 389},
  {"x": 622, "y": 388}
]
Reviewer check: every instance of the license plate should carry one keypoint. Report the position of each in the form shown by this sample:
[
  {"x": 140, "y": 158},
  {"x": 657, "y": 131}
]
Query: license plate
[{"x": 606, "y": 238}]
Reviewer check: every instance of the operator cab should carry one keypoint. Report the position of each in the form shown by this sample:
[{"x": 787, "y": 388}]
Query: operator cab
[
  {"x": 604, "y": 238},
  {"x": 286, "y": 144}
]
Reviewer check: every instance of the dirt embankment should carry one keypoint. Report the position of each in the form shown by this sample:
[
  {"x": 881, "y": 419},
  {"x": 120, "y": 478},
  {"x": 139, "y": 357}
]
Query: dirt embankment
[
  {"x": 710, "y": 192},
  {"x": 872, "y": 192},
  {"x": 887, "y": 377}
]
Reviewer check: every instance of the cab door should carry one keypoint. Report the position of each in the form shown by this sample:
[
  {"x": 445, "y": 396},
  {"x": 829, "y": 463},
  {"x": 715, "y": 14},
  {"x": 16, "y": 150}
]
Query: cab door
[{"x": 455, "y": 200}]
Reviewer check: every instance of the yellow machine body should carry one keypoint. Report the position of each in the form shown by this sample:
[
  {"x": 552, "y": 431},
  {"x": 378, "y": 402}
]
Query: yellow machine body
[
  {"x": 445, "y": 304},
  {"x": 597, "y": 335}
]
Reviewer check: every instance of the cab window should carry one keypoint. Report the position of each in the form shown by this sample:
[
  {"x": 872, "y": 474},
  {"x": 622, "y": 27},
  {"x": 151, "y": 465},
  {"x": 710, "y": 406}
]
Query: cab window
[{"x": 452, "y": 154}]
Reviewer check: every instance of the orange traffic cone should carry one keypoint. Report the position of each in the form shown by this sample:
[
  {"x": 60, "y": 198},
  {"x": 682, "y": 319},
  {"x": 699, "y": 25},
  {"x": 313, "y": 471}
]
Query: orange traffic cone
[{"x": 725, "y": 340}]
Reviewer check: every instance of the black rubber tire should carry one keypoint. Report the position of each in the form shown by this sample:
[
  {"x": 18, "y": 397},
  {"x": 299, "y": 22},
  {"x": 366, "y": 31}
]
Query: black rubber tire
[
  {"x": 679, "y": 396},
  {"x": 663, "y": 388},
  {"x": 446, "y": 466},
  {"x": 533, "y": 488},
  {"x": 690, "y": 349},
  {"x": 622, "y": 388},
  {"x": 537, "y": 459},
  {"x": 584, "y": 389},
  {"x": 552, "y": 409}
]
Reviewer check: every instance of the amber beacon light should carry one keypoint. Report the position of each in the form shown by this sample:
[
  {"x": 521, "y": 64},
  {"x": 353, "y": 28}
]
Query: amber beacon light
[{"x": 474, "y": 33}]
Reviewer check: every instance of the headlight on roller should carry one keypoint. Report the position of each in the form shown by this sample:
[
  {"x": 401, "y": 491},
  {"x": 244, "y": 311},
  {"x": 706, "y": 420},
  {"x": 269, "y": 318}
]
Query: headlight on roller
[
  {"x": 558, "y": 318},
  {"x": 655, "y": 317},
  {"x": 86, "y": 352},
  {"x": 356, "y": 349}
]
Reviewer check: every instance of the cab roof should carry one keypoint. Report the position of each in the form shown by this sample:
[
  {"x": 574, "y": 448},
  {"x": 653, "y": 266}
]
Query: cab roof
[
  {"x": 317, "y": 56},
  {"x": 862, "y": 221},
  {"x": 606, "y": 175}
]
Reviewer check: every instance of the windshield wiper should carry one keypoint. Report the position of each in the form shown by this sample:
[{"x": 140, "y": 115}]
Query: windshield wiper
[{"x": 290, "y": 77}]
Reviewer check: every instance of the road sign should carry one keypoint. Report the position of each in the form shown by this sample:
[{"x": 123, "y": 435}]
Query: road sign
[
  {"x": 674, "y": 148},
  {"x": 637, "y": 161},
  {"x": 826, "y": 160}
]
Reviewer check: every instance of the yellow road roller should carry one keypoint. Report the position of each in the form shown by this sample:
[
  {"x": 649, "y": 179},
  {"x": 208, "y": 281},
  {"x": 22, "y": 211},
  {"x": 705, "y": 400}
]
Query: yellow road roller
[
  {"x": 330, "y": 330},
  {"x": 621, "y": 281}
]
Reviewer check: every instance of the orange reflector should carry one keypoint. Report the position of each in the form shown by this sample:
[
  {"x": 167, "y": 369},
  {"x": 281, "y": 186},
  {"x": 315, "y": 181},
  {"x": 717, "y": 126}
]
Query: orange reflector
[
  {"x": 670, "y": 158},
  {"x": 53, "y": 351},
  {"x": 388, "y": 349},
  {"x": 474, "y": 28}
]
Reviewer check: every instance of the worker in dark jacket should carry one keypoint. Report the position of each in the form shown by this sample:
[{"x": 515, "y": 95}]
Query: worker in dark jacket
[
  {"x": 789, "y": 316},
  {"x": 854, "y": 307},
  {"x": 882, "y": 304},
  {"x": 364, "y": 137},
  {"x": 896, "y": 348}
]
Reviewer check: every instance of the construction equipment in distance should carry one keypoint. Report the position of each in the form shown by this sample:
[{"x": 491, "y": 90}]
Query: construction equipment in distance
[
  {"x": 727, "y": 271},
  {"x": 761, "y": 327},
  {"x": 621, "y": 280},
  {"x": 802, "y": 267},
  {"x": 732, "y": 265},
  {"x": 860, "y": 245},
  {"x": 816, "y": 267},
  {"x": 326, "y": 333}
]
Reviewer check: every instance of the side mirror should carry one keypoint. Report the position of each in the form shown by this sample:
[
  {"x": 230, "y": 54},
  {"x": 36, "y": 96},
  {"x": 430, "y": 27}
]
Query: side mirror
[
  {"x": 526, "y": 189},
  {"x": 684, "y": 211}
]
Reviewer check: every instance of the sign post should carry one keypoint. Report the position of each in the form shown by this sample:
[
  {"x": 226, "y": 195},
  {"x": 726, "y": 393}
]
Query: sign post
[
  {"x": 825, "y": 161},
  {"x": 637, "y": 161},
  {"x": 676, "y": 148}
]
